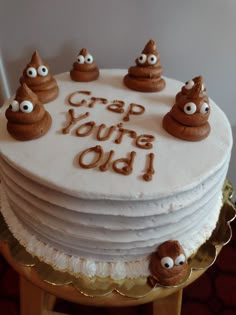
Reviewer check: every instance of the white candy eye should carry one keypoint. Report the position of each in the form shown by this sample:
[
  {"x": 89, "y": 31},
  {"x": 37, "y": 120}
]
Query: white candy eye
[
  {"x": 190, "y": 108},
  {"x": 167, "y": 262},
  {"x": 142, "y": 58},
  {"x": 152, "y": 59},
  {"x": 14, "y": 106},
  {"x": 88, "y": 59},
  {"x": 26, "y": 107},
  {"x": 189, "y": 84},
  {"x": 43, "y": 71},
  {"x": 204, "y": 108},
  {"x": 180, "y": 260},
  {"x": 31, "y": 72},
  {"x": 80, "y": 59}
]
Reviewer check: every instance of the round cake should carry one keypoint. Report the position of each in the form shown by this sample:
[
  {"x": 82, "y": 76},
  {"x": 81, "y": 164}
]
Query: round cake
[{"x": 107, "y": 184}]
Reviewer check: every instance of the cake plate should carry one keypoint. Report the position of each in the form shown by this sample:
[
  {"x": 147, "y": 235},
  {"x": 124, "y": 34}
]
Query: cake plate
[{"x": 37, "y": 278}]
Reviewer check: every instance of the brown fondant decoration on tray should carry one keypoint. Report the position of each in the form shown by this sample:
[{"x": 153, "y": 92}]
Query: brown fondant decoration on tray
[
  {"x": 146, "y": 75},
  {"x": 84, "y": 69},
  {"x": 39, "y": 79},
  {"x": 188, "y": 118},
  {"x": 168, "y": 264},
  {"x": 26, "y": 115}
]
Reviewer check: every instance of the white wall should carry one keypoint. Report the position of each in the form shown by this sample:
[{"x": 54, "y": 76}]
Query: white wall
[{"x": 193, "y": 37}]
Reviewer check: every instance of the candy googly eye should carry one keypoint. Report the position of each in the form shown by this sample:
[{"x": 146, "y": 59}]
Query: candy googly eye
[
  {"x": 31, "y": 72},
  {"x": 167, "y": 262},
  {"x": 152, "y": 59},
  {"x": 190, "y": 108},
  {"x": 142, "y": 58},
  {"x": 88, "y": 59},
  {"x": 26, "y": 107},
  {"x": 80, "y": 59},
  {"x": 189, "y": 84},
  {"x": 204, "y": 108},
  {"x": 180, "y": 260},
  {"x": 43, "y": 71},
  {"x": 14, "y": 106}
]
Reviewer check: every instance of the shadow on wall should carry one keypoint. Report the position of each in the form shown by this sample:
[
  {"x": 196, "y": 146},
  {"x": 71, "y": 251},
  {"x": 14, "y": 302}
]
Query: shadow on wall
[{"x": 232, "y": 165}]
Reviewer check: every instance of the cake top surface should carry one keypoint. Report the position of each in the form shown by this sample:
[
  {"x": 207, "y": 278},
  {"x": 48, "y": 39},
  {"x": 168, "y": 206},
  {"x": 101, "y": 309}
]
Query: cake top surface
[{"x": 53, "y": 160}]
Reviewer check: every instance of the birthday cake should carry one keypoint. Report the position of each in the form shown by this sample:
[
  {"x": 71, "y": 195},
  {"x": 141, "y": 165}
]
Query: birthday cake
[{"x": 107, "y": 180}]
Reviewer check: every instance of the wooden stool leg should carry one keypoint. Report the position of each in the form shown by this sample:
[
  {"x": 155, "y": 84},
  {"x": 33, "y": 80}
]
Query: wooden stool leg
[
  {"x": 48, "y": 303},
  {"x": 34, "y": 301},
  {"x": 31, "y": 298},
  {"x": 169, "y": 305}
]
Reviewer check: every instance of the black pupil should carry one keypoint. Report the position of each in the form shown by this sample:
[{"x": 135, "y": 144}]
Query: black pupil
[
  {"x": 181, "y": 262},
  {"x": 25, "y": 107},
  {"x": 30, "y": 72},
  {"x": 188, "y": 108},
  {"x": 44, "y": 69},
  {"x": 167, "y": 265}
]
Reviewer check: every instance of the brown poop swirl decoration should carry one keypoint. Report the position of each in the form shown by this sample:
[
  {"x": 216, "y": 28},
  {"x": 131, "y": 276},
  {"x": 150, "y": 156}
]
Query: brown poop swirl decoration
[
  {"x": 39, "y": 79},
  {"x": 188, "y": 90},
  {"x": 84, "y": 69},
  {"x": 146, "y": 75},
  {"x": 168, "y": 264},
  {"x": 188, "y": 118},
  {"x": 26, "y": 115}
]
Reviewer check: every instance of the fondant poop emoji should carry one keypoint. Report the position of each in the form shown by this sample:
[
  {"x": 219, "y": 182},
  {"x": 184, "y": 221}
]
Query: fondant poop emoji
[
  {"x": 168, "y": 264},
  {"x": 26, "y": 115},
  {"x": 84, "y": 69},
  {"x": 146, "y": 75},
  {"x": 188, "y": 89},
  {"x": 188, "y": 118},
  {"x": 39, "y": 79}
]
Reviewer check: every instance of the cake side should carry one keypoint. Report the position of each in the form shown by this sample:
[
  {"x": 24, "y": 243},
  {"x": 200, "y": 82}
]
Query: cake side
[{"x": 116, "y": 268}]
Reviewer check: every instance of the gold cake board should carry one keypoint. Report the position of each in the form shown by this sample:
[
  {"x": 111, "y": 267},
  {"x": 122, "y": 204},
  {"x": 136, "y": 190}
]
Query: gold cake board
[{"x": 40, "y": 284}]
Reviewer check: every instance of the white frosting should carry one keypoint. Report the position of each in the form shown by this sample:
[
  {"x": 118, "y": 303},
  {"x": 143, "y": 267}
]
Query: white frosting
[
  {"x": 90, "y": 267},
  {"x": 105, "y": 223},
  {"x": 66, "y": 148}
]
